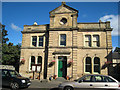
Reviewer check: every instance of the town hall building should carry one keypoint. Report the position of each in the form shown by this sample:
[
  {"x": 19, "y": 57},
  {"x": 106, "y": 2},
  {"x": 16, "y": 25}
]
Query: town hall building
[{"x": 66, "y": 47}]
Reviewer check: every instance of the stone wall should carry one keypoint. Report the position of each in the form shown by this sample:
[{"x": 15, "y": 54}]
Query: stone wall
[{"x": 7, "y": 67}]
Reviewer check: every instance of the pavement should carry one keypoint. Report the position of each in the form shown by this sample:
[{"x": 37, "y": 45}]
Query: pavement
[{"x": 50, "y": 85}]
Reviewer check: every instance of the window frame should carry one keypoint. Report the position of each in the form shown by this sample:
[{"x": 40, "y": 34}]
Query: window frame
[
  {"x": 38, "y": 60},
  {"x": 89, "y": 64},
  {"x": 88, "y": 41},
  {"x": 40, "y": 41},
  {"x": 96, "y": 65},
  {"x": 96, "y": 41},
  {"x": 31, "y": 63},
  {"x": 34, "y": 41},
  {"x": 60, "y": 40}
]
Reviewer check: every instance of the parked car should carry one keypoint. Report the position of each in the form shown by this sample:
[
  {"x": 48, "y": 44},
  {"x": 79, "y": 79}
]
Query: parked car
[
  {"x": 14, "y": 80},
  {"x": 92, "y": 82}
]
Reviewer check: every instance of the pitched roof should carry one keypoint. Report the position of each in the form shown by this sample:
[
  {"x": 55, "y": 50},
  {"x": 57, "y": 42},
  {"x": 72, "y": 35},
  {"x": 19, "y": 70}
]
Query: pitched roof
[
  {"x": 117, "y": 49},
  {"x": 116, "y": 55},
  {"x": 64, "y": 5}
]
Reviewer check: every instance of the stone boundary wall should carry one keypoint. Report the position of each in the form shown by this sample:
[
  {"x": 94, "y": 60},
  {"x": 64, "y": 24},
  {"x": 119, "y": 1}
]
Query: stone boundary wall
[{"x": 7, "y": 67}]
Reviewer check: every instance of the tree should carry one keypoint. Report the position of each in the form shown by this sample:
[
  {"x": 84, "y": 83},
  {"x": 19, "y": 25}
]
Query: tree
[
  {"x": 4, "y": 34},
  {"x": 10, "y": 52}
]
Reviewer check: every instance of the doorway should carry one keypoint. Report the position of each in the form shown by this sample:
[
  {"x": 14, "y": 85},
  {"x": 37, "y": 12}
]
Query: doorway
[{"x": 62, "y": 66}]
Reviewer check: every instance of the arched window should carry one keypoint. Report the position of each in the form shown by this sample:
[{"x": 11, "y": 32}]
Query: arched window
[
  {"x": 96, "y": 65},
  {"x": 39, "y": 61},
  {"x": 32, "y": 62},
  {"x": 88, "y": 65}
]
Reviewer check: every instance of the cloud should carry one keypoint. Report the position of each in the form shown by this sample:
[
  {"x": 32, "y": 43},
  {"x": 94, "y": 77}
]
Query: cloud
[
  {"x": 113, "y": 22},
  {"x": 15, "y": 27}
]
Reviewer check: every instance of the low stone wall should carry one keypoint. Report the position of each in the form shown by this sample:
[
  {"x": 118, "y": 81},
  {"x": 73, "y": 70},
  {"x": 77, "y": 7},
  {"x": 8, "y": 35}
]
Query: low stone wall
[{"x": 7, "y": 67}]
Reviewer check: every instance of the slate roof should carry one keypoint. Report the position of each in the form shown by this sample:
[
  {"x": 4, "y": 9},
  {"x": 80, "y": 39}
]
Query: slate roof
[{"x": 116, "y": 55}]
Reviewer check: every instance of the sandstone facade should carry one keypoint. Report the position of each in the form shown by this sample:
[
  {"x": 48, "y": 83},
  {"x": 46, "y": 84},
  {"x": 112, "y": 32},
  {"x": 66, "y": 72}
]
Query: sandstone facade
[{"x": 67, "y": 42}]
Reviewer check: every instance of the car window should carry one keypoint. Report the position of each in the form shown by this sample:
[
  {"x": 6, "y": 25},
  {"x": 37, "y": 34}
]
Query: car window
[
  {"x": 14, "y": 74},
  {"x": 5, "y": 73},
  {"x": 105, "y": 79},
  {"x": 110, "y": 79},
  {"x": 87, "y": 79},
  {"x": 98, "y": 78}
]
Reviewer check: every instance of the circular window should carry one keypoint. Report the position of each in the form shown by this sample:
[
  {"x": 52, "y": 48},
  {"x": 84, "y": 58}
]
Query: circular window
[{"x": 63, "y": 21}]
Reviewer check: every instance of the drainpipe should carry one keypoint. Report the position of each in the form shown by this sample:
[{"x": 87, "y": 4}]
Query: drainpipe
[{"x": 72, "y": 45}]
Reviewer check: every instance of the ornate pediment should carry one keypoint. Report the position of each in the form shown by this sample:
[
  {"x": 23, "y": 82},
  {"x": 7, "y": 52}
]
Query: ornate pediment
[{"x": 63, "y": 9}]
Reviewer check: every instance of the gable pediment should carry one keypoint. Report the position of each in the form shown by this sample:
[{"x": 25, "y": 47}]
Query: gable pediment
[{"x": 63, "y": 9}]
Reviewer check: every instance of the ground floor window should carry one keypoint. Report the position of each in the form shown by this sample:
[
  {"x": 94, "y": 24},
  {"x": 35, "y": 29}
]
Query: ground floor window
[
  {"x": 39, "y": 61},
  {"x": 32, "y": 61},
  {"x": 35, "y": 60},
  {"x": 97, "y": 64},
  {"x": 88, "y": 65},
  {"x": 92, "y": 65}
]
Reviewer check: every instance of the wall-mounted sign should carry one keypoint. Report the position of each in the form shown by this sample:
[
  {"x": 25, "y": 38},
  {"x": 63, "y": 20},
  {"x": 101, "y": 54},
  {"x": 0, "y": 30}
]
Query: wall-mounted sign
[{"x": 36, "y": 67}]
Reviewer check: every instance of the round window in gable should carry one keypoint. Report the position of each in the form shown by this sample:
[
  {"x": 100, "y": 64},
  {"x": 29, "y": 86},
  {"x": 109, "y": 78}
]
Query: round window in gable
[{"x": 63, "y": 21}]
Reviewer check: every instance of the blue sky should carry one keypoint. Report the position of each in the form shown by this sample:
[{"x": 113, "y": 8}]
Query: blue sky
[{"x": 17, "y": 14}]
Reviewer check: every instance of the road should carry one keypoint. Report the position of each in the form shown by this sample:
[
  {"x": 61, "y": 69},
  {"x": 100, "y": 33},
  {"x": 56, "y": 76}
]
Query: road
[{"x": 37, "y": 85}]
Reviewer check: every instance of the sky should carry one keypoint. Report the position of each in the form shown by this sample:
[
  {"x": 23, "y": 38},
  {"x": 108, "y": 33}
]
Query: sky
[{"x": 17, "y": 14}]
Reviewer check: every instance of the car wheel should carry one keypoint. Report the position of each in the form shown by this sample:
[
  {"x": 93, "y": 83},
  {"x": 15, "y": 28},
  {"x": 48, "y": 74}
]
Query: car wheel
[
  {"x": 14, "y": 86},
  {"x": 68, "y": 88}
]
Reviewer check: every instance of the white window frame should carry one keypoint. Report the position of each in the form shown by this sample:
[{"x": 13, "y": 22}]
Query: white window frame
[
  {"x": 88, "y": 40},
  {"x": 85, "y": 66},
  {"x": 42, "y": 42},
  {"x": 32, "y": 41},
  {"x": 96, "y": 41},
  {"x": 30, "y": 62},
  {"x": 94, "y": 65}
]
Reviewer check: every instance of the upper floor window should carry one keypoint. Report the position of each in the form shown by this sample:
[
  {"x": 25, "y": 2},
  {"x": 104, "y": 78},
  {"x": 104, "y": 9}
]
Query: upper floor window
[
  {"x": 41, "y": 41},
  {"x": 63, "y": 40},
  {"x": 96, "y": 41},
  {"x": 34, "y": 41},
  {"x": 88, "y": 40}
]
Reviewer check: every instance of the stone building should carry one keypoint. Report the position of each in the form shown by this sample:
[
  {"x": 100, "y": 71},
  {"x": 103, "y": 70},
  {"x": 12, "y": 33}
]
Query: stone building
[
  {"x": 116, "y": 63},
  {"x": 65, "y": 47}
]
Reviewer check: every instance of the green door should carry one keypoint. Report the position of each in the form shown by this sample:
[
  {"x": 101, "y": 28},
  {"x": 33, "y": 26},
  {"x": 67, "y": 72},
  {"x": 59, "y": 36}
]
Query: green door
[{"x": 60, "y": 68}]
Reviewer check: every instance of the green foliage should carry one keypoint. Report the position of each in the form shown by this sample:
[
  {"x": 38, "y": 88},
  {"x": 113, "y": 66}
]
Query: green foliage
[
  {"x": 10, "y": 54},
  {"x": 4, "y": 34}
]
